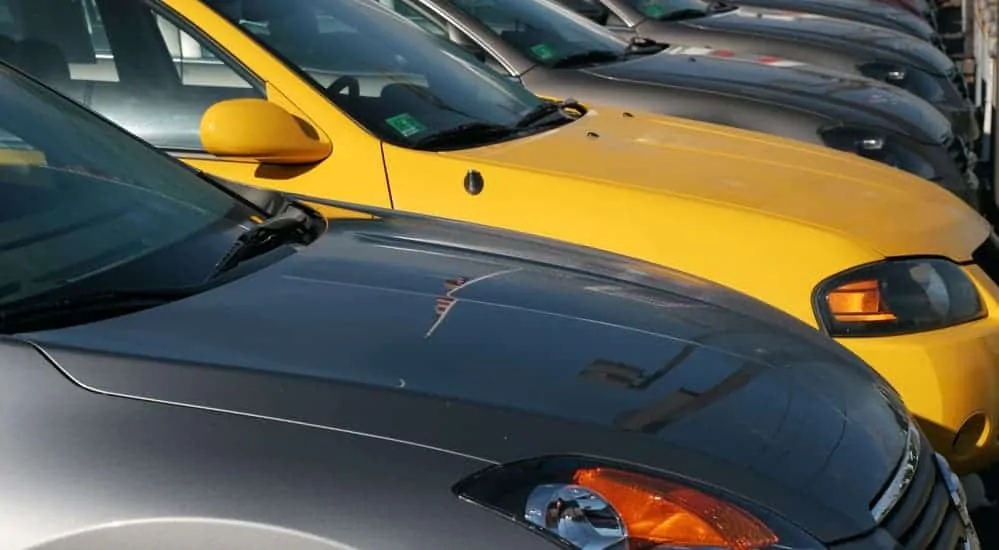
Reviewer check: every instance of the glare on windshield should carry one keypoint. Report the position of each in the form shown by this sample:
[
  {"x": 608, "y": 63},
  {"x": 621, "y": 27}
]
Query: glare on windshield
[
  {"x": 400, "y": 82},
  {"x": 542, "y": 30}
]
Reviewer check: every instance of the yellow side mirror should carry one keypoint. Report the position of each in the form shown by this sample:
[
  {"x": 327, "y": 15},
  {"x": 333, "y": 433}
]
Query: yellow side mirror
[{"x": 260, "y": 130}]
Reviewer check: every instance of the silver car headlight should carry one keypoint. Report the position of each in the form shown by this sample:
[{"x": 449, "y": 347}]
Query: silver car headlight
[{"x": 592, "y": 504}]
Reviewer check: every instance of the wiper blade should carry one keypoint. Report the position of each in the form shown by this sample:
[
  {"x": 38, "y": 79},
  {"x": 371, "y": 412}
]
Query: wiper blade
[
  {"x": 33, "y": 313},
  {"x": 586, "y": 58},
  {"x": 465, "y": 135},
  {"x": 547, "y": 108},
  {"x": 721, "y": 6},
  {"x": 643, "y": 45},
  {"x": 292, "y": 225},
  {"x": 688, "y": 13}
]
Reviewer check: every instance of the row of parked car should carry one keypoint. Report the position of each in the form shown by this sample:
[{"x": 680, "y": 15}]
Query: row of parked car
[{"x": 593, "y": 273}]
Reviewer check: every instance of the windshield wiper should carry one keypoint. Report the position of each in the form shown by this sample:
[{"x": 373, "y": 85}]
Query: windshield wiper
[
  {"x": 721, "y": 6},
  {"x": 465, "y": 135},
  {"x": 48, "y": 314},
  {"x": 641, "y": 45},
  {"x": 586, "y": 58},
  {"x": 292, "y": 225},
  {"x": 548, "y": 108},
  {"x": 687, "y": 13}
]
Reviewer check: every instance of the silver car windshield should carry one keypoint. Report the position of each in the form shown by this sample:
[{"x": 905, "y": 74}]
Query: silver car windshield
[
  {"x": 83, "y": 199},
  {"x": 544, "y": 31}
]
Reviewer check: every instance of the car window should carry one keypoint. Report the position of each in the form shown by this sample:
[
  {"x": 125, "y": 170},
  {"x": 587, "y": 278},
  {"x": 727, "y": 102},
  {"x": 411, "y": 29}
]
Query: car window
[
  {"x": 541, "y": 30},
  {"x": 135, "y": 67},
  {"x": 398, "y": 81},
  {"x": 82, "y": 201},
  {"x": 670, "y": 9},
  {"x": 443, "y": 29}
]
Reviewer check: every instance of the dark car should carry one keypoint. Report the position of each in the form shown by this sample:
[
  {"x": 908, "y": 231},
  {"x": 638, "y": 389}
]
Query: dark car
[
  {"x": 874, "y": 12},
  {"x": 857, "y": 48},
  {"x": 186, "y": 369},
  {"x": 556, "y": 53}
]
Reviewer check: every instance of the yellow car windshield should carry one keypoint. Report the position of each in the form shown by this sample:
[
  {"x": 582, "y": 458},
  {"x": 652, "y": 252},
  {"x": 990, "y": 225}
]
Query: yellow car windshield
[{"x": 395, "y": 79}]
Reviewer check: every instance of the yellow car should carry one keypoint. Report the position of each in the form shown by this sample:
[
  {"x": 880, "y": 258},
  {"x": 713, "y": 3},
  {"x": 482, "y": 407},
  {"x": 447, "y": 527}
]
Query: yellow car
[{"x": 341, "y": 99}]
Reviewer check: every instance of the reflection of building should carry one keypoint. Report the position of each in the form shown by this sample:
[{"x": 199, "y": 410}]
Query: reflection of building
[{"x": 674, "y": 405}]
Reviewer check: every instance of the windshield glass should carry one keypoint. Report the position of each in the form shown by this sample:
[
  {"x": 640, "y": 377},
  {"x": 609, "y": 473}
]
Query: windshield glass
[
  {"x": 671, "y": 9},
  {"x": 87, "y": 208},
  {"x": 544, "y": 31},
  {"x": 398, "y": 81}
]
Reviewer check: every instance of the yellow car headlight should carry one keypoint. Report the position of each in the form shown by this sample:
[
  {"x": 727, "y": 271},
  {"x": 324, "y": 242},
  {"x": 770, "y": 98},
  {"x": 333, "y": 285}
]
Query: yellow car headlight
[{"x": 897, "y": 297}]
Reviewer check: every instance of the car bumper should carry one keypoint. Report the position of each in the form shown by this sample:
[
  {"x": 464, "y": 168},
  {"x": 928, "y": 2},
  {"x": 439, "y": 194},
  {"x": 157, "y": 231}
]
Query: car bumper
[{"x": 949, "y": 379}]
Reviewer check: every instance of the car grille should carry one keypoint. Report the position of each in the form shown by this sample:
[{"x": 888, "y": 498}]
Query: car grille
[{"x": 916, "y": 508}]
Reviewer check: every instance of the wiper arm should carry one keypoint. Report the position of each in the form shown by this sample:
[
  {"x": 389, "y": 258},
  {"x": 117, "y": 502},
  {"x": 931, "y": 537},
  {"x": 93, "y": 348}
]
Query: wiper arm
[
  {"x": 35, "y": 314},
  {"x": 547, "y": 108},
  {"x": 586, "y": 58},
  {"x": 465, "y": 135},
  {"x": 292, "y": 225}
]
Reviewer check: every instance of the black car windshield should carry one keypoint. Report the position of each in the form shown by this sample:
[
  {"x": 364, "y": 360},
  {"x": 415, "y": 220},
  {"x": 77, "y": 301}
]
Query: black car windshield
[
  {"x": 401, "y": 83},
  {"x": 665, "y": 10},
  {"x": 87, "y": 208},
  {"x": 546, "y": 32}
]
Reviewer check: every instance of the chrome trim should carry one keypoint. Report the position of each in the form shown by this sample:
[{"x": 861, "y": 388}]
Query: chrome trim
[
  {"x": 903, "y": 476},
  {"x": 959, "y": 499}
]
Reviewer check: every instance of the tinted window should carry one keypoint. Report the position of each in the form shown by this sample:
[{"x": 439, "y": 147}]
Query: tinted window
[
  {"x": 85, "y": 204},
  {"x": 542, "y": 30},
  {"x": 397, "y": 80},
  {"x": 670, "y": 9},
  {"x": 158, "y": 83}
]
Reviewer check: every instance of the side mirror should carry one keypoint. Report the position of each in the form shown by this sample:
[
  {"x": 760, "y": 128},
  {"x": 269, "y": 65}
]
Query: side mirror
[{"x": 260, "y": 130}]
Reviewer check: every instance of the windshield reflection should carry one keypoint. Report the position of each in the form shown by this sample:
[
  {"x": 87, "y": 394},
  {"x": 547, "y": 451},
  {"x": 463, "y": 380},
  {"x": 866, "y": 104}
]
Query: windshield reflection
[
  {"x": 667, "y": 10},
  {"x": 546, "y": 32},
  {"x": 402, "y": 84},
  {"x": 88, "y": 208}
]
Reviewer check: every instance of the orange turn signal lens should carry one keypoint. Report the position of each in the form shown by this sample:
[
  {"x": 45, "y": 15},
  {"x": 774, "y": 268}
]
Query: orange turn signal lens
[
  {"x": 658, "y": 512},
  {"x": 859, "y": 302}
]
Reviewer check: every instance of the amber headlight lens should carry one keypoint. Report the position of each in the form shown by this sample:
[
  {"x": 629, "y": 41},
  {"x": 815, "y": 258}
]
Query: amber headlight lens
[
  {"x": 590, "y": 504},
  {"x": 897, "y": 297}
]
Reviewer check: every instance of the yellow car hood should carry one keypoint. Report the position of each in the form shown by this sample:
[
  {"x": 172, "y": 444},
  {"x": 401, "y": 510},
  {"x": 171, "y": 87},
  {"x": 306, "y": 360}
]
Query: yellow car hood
[{"x": 892, "y": 212}]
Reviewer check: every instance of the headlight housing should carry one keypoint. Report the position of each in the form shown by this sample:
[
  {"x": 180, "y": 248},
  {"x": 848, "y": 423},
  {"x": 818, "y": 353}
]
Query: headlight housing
[
  {"x": 878, "y": 147},
  {"x": 594, "y": 504},
  {"x": 915, "y": 81},
  {"x": 897, "y": 297}
]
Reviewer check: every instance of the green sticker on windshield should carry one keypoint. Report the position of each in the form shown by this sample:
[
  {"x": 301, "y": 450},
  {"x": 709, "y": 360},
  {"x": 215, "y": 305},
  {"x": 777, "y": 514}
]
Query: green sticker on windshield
[
  {"x": 653, "y": 10},
  {"x": 544, "y": 52},
  {"x": 405, "y": 124}
]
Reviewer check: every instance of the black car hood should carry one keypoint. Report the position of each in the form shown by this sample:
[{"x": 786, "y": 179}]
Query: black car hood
[
  {"x": 458, "y": 315},
  {"x": 829, "y": 32},
  {"x": 723, "y": 70}
]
